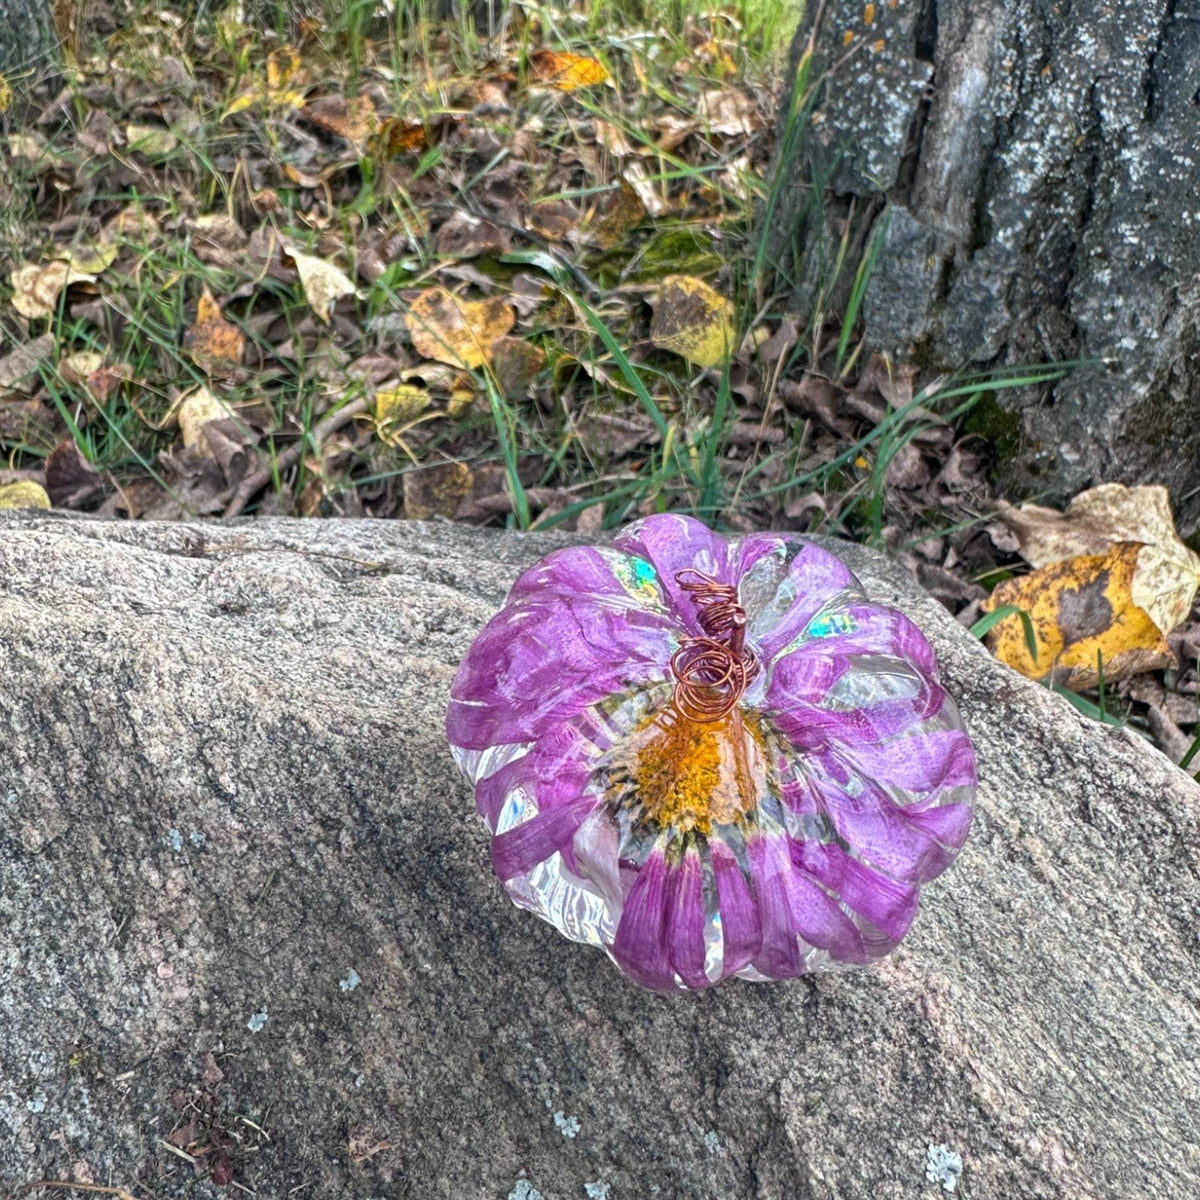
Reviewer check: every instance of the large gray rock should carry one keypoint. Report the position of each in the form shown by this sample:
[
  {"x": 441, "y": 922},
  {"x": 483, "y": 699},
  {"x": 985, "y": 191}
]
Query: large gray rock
[
  {"x": 225, "y": 796},
  {"x": 1039, "y": 167}
]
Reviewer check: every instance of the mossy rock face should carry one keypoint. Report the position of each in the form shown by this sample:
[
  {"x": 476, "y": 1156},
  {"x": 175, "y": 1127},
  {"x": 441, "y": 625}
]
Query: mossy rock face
[{"x": 1019, "y": 235}]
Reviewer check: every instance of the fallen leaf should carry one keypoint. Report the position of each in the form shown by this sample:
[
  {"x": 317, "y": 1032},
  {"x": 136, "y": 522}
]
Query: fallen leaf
[
  {"x": 354, "y": 119},
  {"x": 400, "y": 404},
  {"x": 213, "y": 342},
  {"x": 692, "y": 320},
  {"x": 1079, "y": 608},
  {"x": 71, "y": 481},
  {"x": 729, "y": 112},
  {"x": 209, "y": 429},
  {"x": 36, "y": 288},
  {"x": 436, "y": 489},
  {"x": 516, "y": 364},
  {"x": 455, "y": 331},
  {"x": 23, "y": 494},
  {"x": 25, "y": 360},
  {"x": 464, "y": 235},
  {"x": 75, "y": 368},
  {"x": 195, "y": 411},
  {"x": 616, "y": 217},
  {"x": 567, "y": 72},
  {"x": 399, "y": 136},
  {"x": 323, "y": 282},
  {"x": 1168, "y": 573},
  {"x": 153, "y": 141},
  {"x": 283, "y": 65},
  {"x": 92, "y": 260}
]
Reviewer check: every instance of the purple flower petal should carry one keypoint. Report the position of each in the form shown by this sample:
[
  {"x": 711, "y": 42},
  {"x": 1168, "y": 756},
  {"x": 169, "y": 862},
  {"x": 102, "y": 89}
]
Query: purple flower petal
[
  {"x": 640, "y": 943},
  {"x": 555, "y": 770},
  {"x": 608, "y": 577},
  {"x": 741, "y": 928},
  {"x": 672, "y": 543},
  {"x": 521, "y": 849},
  {"x": 685, "y": 920},
  {"x": 785, "y": 583},
  {"x": 909, "y": 844},
  {"x": 536, "y": 664},
  {"x": 792, "y": 904},
  {"x": 920, "y": 765},
  {"x": 888, "y": 906}
]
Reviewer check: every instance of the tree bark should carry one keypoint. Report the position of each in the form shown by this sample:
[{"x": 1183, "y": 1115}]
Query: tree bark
[
  {"x": 1036, "y": 166},
  {"x": 27, "y": 38}
]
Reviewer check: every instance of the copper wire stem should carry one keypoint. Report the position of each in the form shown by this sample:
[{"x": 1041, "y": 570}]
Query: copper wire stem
[{"x": 712, "y": 672}]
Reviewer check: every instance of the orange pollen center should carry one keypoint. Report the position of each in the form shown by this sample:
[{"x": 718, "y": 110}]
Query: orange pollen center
[{"x": 689, "y": 775}]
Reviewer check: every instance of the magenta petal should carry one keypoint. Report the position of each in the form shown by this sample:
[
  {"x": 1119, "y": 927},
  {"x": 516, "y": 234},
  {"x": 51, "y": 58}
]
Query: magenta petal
[
  {"x": 555, "y": 770},
  {"x": 741, "y": 929},
  {"x": 910, "y": 844},
  {"x": 672, "y": 543},
  {"x": 640, "y": 943},
  {"x": 779, "y": 954},
  {"x": 522, "y": 848},
  {"x": 685, "y": 920},
  {"x": 814, "y": 580},
  {"x": 536, "y": 664},
  {"x": 921, "y": 764},
  {"x": 886, "y": 904},
  {"x": 581, "y": 571},
  {"x": 793, "y": 904}
]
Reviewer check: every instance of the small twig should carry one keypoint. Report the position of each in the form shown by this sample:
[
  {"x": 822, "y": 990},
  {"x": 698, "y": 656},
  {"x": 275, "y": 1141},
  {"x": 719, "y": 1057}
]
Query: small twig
[{"x": 320, "y": 432}]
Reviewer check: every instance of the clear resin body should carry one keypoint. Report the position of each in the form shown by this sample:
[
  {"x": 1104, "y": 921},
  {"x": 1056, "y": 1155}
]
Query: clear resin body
[{"x": 711, "y": 758}]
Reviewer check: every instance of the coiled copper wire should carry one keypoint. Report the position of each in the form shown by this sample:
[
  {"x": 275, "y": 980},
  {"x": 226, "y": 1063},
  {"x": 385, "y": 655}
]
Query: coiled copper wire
[{"x": 712, "y": 672}]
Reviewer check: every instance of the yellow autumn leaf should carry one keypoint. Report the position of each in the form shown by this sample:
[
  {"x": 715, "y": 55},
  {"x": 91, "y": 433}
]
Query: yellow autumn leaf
[
  {"x": 213, "y": 342},
  {"x": 1080, "y": 608},
  {"x": 282, "y": 67},
  {"x": 692, "y": 320},
  {"x": 23, "y": 494},
  {"x": 567, "y": 72},
  {"x": 195, "y": 411},
  {"x": 1168, "y": 572},
  {"x": 460, "y": 332},
  {"x": 36, "y": 288},
  {"x": 153, "y": 141},
  {"x": 401, "y": 403},
  {"x": 92, "y": 260},
  {"x": 323, "y": 283}
]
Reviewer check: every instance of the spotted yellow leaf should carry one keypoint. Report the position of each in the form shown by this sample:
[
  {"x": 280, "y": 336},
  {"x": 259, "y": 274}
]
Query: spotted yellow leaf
[
  {"x": 25, "y": 493},
  {"x": 1167, "y": 575},
  {"x": 460, "y": 332},
  {"x": 692, "y": 320},
  {"x": 1082, "y": 609},
  {"x": 92, "y": 260},
  {"x": 323, "y": 282},
  {"x": 567, "y": 72}
]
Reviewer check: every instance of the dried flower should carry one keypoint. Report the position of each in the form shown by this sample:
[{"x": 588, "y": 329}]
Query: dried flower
[{"x": 711, "y": 758}]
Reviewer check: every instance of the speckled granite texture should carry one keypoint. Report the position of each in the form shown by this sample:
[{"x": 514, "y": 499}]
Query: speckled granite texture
[{"x": 236, "y": 861}]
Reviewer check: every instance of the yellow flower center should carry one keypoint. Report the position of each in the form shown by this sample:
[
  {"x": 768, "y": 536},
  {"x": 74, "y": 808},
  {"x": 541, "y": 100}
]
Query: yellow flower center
[{"x": 690, "y": 775}]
